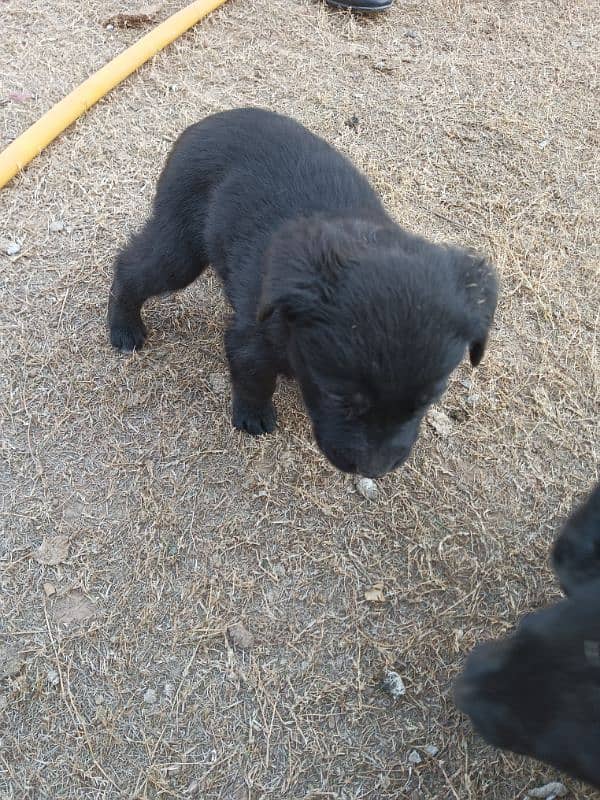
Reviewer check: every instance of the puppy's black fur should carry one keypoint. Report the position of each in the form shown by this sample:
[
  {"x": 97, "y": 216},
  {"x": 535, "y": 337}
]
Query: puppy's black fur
[
  {"x": 576, "y": 552},
  {"x": 324, "y": 286},
  {"x": 537, "y": 692}
]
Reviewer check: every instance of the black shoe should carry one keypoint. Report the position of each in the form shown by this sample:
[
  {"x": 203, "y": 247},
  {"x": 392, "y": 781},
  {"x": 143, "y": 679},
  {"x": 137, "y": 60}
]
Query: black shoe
[{"x": 361, "y": 5}]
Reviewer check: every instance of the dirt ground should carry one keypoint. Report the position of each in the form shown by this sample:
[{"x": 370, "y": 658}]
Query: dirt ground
[{"x": 478, "y": 123}]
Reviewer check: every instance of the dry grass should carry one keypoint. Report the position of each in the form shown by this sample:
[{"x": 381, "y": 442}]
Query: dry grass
[{"x": 478, "y": 122}]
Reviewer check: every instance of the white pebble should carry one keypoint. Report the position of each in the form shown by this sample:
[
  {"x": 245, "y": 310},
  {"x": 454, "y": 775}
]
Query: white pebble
[
  {"x": 12, "y": 249},
  {"x": 53, "y": 677},
  {"x": 150, "y": 696},
  {"x": 549, "y": 791},
  {"x": 414, "y": 757},
  {"x": 393, "y": 684},
  {"x": 431, "y": 750},
  {"x": 367, "y": 488},
  {"x": 57, "y": 225}
]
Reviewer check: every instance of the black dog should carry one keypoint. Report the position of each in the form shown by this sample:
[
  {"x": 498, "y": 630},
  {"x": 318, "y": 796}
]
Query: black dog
[
  {"x": 576, "y": 552},
  {"x": 324, "y": 286},
  {"x": 537, "y": 692}
]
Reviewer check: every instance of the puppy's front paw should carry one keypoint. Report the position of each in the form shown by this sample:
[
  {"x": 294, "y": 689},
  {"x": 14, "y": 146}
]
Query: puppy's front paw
[
  {"x": 254, "y": 421},
  {"x": 127, "y": 338}
]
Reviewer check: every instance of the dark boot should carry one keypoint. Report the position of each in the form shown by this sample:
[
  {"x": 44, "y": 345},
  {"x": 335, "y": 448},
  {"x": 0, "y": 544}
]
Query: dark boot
[{"x": 361, "y": 5}]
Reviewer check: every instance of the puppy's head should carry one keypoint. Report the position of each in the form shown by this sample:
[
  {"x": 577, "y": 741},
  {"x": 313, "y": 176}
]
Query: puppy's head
[
  {"x": 375, "y": 321},
  {"x": 576, "y": 551},
  {"x": 537, "y": 692}
]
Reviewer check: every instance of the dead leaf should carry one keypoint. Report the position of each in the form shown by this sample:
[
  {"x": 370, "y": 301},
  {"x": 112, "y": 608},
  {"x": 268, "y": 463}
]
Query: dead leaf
[
  {"x": 11, "y": 662},
  {"x": 73, "y": 608},
  {"x": 240, "y": 636},
  {"x": 375, "y": 593},
  {"x": 440, "y": 422},
  {"x": 133, "y": 19},
  {"x": 52, "y": 551}
]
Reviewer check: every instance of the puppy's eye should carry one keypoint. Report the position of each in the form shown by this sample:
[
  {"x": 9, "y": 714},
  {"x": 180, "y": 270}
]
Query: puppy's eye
[{"x": 352, "y": 406}]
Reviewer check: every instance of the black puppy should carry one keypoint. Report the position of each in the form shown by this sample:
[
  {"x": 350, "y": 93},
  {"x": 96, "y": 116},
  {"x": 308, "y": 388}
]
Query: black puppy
[
  {"x": 537, "y": 692},
  {"x": 576, "y": 552},
  {"x": 324, "y": 286}
]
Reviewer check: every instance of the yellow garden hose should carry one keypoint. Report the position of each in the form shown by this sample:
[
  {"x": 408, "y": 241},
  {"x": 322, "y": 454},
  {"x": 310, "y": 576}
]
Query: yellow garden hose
[{"x": 27, "y": 146}]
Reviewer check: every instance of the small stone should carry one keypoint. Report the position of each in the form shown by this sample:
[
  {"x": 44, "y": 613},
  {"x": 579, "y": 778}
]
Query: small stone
[
  {"x": 414, "y": 757},
  {"x": 53, "y": 677},
  {"x": 431, "y": 750},
  {"x": 49, "y": 589},
  {"x": 12, "y": 249},
  {"x": 99, "y": 699},
  {"x": 57, "y": 225},
  {"x": 240, "y": 636},
  {"x": 150, "y": 696},
  {"x": 548, "y": 792},
  {"x": 11, "y": 662},
  {"x": 393, "y": 684},
  {"x": 367, "y": 488},
  {"x": 440, "y": 422},
  {"x": 193, "y": 788}
]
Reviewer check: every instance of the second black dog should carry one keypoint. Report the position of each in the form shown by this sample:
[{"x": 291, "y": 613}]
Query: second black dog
[{"x": 324, "y": 286}]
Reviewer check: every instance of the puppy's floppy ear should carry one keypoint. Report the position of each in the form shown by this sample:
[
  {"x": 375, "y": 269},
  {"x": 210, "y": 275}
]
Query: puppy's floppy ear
[
  {"x": 303, "y": 262},
  {"x": 478, "y": 284}
]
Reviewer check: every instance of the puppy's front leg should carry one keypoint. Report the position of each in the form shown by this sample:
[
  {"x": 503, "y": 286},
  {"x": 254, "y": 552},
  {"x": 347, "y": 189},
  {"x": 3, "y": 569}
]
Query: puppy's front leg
[{"x": 253, "y": 378}]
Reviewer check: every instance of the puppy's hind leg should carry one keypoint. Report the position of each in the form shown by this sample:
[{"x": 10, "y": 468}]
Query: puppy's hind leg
[
  {"x": 253, "y": 379},
  {"x": 153, "y": 263}
]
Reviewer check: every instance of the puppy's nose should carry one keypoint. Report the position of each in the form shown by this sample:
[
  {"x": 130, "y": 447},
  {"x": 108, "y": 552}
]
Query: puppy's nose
[
  {"x": 485, "y": 659},
  {"x": 378, "y": 465}
]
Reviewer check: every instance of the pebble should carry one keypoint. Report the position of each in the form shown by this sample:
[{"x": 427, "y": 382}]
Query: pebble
[
  {"x": 12, "y": 249},
  {"x": 150, "y": 696},
  {"x": 440, "y": 422},
  {"x": 367, "y": 488},
  {"x": 53, "y": 677},
  {"x": 431, "y": 750},
  {"x": 57, "y": 225},
  {"x": 393, "y": 684},
  {"x": 414, "y": 757},
  {"x": 548, "y": 792}
]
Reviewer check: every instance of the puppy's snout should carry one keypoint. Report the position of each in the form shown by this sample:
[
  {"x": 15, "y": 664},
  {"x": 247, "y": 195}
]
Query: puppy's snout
[
  {"x": 375, "y": 465},
  {"x": 483, "y": 662}
]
